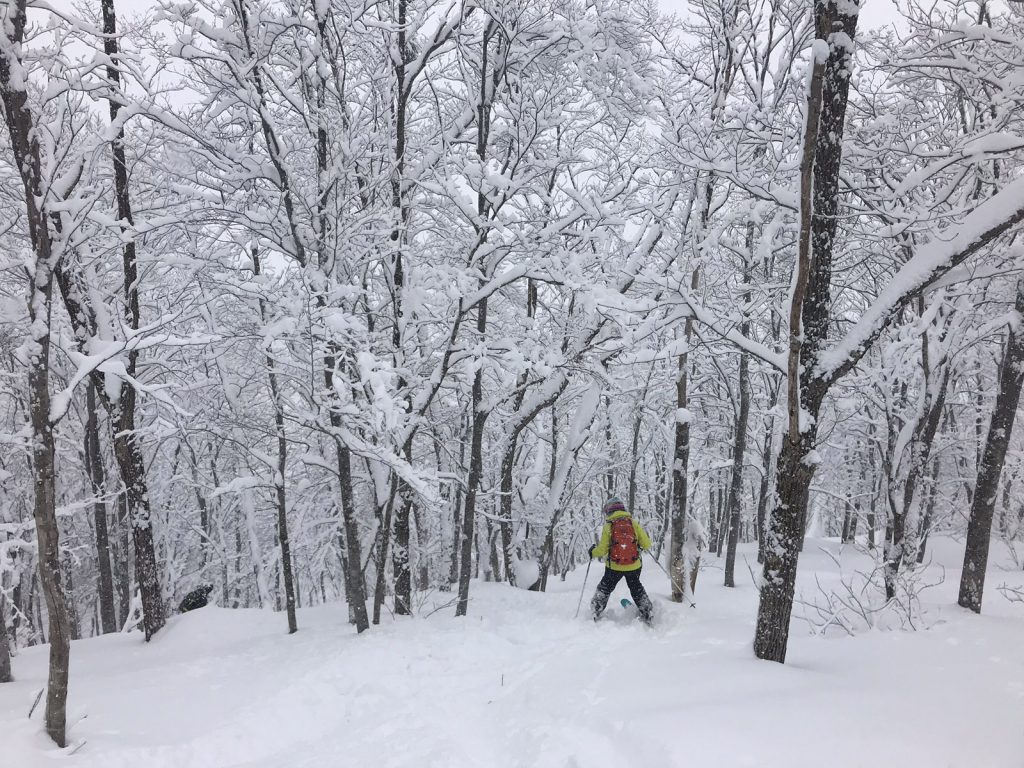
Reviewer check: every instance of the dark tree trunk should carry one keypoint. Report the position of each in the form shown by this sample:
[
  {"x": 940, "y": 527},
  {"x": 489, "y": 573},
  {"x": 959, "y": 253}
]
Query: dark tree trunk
[
  {"x": 723, "y": 522},
  {"x": 904, "y": 526},
  {"x": 128, "y": 453},
  {"x": 94, "y": 466},
  {"x": 400, "y": 212},
  {"x": 505, "y": 507},
  {"x": 476, "y": 466},
  {"x": 634, "y": 448},
  {"x": 735, "y": 505},
  {"x": 979, "y": 529},
  {"x": 492, "y": 548},
  {"x": 422, "y": 580},
  {"x": 127, "y": 447},
  {"x": 764, "y": 490},
  {"x": 6, "y": 675},
  {"x": 483, "y": 122},
  {"x": 457, "y": 508},
  {"x": 660, "y": 504},
  {"x": 24, "y": 143},
  {"x": 69, "y": 592},
  {"x": 680, "y": 468},
  {"x": 872, "y": 522},
  {"x": 354, "y": 588},
  {"x": 280, "y": 495},
  {"x": 809, "y": 323},
  {"x": 123, "y": 562},
  {"x": 202, "y": 504},
  {"x": 926, "y": 523},
  {"x": 383, "y": 541},
  {"x": 400, "y": 552}
]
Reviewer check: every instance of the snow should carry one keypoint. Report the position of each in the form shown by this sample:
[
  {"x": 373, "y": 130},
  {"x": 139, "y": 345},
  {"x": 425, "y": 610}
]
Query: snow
[
  {"x": 521, "y": 683},
  {"x": 950, "y": 246}
]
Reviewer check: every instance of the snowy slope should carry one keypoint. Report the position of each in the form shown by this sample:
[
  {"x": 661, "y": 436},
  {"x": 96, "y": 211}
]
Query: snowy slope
[{"x": 521, "y": 683}]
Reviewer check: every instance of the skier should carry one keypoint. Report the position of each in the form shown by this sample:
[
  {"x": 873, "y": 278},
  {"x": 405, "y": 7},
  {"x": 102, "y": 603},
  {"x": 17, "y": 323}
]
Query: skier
[{"x": 622, "y": 538}]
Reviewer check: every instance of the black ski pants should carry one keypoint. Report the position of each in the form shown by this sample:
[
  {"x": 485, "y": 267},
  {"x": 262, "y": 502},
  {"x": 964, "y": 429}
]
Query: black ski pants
[{"x": 607, "y": 585}]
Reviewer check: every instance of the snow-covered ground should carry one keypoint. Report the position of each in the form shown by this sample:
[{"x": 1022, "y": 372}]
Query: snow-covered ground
[{"x": 520, "y": 682}]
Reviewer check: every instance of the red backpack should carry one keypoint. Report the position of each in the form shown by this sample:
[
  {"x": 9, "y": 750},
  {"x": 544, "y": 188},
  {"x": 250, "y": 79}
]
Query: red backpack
[{"x": 624, "y": 550}]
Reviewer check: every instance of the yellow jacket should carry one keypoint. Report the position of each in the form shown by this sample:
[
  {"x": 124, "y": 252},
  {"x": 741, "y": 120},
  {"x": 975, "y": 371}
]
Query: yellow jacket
[{"x": 643, "y": 541}]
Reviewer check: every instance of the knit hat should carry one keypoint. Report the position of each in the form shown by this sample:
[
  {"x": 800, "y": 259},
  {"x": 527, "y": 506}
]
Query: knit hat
[{"x": 613, "y": 505}]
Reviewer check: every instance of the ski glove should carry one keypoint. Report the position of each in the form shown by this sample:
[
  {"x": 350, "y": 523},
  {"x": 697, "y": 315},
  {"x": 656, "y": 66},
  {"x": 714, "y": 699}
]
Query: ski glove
[{"x": 591, "y": 551}]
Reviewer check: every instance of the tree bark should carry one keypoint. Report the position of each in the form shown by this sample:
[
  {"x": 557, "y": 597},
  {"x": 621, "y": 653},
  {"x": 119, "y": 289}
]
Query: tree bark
[
  {"x": 6, "y": 674},
  {"x": 979, "y": 529},
  {"x": 476, "y": 466},
  {"x": 123, "y": 561},
  {"x": 459, "y": 505},
  {"x": 483, "y": 121},
  {"x": 24, "y": 135},
  {"x": 127, "y": 447},
  {"x": 904, "y": 524},
  {"x": 354, "y": 588},
  {"x": 400, "y": 212},
  {"x": 735, "y": 505},
  {"x": 926, "y": 522},
  {"x": 97, "y": 478},
  {"x": 809, "y": 323},
  {"x": 280, "y": 494},
  {"x": 400, "y": 552},
  {"x": 680, "y": 466}
]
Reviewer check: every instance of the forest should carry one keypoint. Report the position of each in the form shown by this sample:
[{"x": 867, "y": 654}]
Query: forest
[{"x": 366, "y": 303}]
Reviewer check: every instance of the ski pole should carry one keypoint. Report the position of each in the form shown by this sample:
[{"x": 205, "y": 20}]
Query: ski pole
[
  {"x": 663, "y": 570},
  {"x": 583, "y": 591}
]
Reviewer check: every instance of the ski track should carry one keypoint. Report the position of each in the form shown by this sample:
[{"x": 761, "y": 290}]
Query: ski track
[{"x": 520, "y": 683}]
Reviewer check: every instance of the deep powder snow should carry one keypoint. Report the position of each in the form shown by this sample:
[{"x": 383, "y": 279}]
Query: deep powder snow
[{"x": 521, "y": 683}]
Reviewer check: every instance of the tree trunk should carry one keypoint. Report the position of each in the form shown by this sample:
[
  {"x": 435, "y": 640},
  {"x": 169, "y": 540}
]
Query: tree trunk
[
  {"x": 94, "y": 466},
  {"x": 6, "y": 675},
  {"x": 926, "y": 522},
  {"x": 24, "y": 137},
  {"x": 280, "y": 494},
  {"x": 128, "y": 453},
  {"x": 422, "y": 580},
  {"x": 505, "y": 507},
  {"x": 979, "y": 529},
  {"x": 905, "y": 526},
  {"x": 476, "y": 467},
  {"x": 127, "y": 448},
  {"x": 459, "y": 505},
  {"x": 400, "y": 552},
  {"x": 765, "y": 488},
  {"x": 680, "y": 467},
  {"x": 735, "y": 505},
  {"x": 483, "y": 122},
  {"x": 809, "y": 322},
  {"x": 74, "y": 619},
  {"x": 400, "y": 212},
  {"x": 123, "y": 562},
  {"x": 354, "y": 588}
]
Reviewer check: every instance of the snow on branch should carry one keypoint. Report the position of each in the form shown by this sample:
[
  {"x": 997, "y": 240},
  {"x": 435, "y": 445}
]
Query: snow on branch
[
  {"x": 731, "y": 334},
  {"x": 930, "y": 262}
]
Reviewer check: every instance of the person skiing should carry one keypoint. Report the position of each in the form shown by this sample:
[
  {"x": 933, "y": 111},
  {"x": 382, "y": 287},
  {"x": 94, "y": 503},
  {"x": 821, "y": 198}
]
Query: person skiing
[{"x": 622, "y": 539}]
